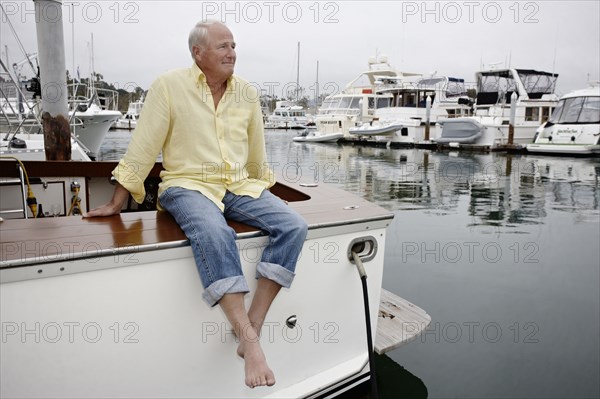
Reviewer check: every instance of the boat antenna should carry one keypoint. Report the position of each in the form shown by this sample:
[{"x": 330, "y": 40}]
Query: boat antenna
[{"x": 555, "y": 48}]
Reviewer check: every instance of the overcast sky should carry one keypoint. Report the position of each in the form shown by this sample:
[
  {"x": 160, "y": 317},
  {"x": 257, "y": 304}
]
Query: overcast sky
[{"x": 134, "y": 41}]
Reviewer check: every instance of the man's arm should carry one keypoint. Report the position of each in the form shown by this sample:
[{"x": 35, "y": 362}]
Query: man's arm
[{"x": 112, "y": 207}]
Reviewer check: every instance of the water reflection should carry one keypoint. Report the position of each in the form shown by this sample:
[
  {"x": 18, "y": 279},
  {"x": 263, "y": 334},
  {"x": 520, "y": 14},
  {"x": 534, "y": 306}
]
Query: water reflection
[{"x": 500, "y": 189}]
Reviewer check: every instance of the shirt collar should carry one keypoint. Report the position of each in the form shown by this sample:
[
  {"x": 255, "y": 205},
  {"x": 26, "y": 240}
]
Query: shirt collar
[{"x": 198, "y": 76}]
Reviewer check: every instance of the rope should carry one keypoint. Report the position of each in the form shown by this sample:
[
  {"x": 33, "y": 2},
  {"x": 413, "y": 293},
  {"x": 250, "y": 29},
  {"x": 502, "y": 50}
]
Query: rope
[
  {"x": 17, "y": 38},
  {"x": 31, "y": 200}
]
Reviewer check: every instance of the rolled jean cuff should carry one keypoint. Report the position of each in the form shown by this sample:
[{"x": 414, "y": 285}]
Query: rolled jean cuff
[
  {"x": 229, "y": 285},
  {"x": 275, "y": 272}
]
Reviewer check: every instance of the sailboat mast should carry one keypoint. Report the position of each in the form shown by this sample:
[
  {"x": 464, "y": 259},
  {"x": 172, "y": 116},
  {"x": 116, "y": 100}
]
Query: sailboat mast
[
  {"x": 317, "y": 88},
  {"x": 298, "y": 76},
  {"x": 93, "y": 69},
  {"x": 53, "y": 79}
]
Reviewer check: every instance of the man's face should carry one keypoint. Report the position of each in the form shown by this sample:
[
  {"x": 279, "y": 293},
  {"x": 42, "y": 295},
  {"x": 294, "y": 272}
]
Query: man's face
[{"x": 217, "y": 56}]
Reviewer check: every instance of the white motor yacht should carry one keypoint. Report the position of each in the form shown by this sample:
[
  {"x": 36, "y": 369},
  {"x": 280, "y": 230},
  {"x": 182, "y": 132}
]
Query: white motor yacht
[
  {"x": 405, "y": 120},
  {"x": 95, "y": 114},
  {"x": 527, "y": 94},
  {"x": 574, "y": 127},
  {"x": 129, "y": 120},
  {"x": 360, "y": 99},
  {"x": 287, "y": 115}
]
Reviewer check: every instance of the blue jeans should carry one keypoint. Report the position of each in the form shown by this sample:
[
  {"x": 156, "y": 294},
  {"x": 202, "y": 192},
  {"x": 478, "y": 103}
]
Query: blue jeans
[{"x": 213, "y": 241}]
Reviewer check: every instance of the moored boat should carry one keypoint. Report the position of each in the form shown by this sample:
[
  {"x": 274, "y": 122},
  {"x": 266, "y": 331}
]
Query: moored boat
[
  {"x": 93, "y": 115},
  {"x": 129, "y": 120},
  {"x": 30, "y": 147},
  {"x": 415, "y": 108},
  {"x": 317, "y": 137},
  {"x": 376, "y": 128},
  {"x": 361, "y": 98},
  {"x": 117, "y": 301},
  {"x": 287, "y": 115},
  {"x": 524, "y": 98},
  {"x": 574, "y": 127}
]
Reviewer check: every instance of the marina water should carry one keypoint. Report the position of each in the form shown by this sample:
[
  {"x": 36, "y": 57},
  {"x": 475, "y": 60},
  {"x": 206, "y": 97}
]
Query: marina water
[{"x": 502, "y": 250}]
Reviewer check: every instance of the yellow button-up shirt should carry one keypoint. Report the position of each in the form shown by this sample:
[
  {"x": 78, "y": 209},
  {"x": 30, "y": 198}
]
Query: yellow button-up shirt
[{"x": 205, "y": 149}]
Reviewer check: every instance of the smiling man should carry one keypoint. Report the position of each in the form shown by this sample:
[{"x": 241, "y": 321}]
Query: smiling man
[{"x": 208, "y": 124}]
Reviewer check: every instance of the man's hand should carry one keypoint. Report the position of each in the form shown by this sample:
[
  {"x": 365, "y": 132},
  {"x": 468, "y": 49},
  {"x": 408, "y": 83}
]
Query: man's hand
[{"x": 113, "y": 207}]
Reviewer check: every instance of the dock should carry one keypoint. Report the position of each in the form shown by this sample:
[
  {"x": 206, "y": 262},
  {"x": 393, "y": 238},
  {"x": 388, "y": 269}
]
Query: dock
[{"x": 398, "y": 322}]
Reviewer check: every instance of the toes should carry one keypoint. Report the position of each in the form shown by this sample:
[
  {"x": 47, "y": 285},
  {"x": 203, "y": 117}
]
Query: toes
[{"x": 260, "y": 381}]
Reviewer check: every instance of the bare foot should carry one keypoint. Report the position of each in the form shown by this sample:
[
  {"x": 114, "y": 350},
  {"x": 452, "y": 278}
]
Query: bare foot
[{"x": 257, "y": 371}]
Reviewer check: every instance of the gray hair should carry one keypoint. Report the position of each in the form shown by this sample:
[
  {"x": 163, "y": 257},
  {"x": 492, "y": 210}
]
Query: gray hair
[{"x": 199, "y": 33}]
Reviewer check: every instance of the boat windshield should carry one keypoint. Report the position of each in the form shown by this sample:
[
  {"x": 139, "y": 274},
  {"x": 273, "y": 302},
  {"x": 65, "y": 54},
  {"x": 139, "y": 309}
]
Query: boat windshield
[
  {"x": 577, "y": 110},
  {"x": 537, "y": 83},
  {"x": 384, "y": 102},
  {"x": 346, "y": 104},
  {"x": 456, "y": 87},
  {"x": 429, "y": 83},
  {"x": 496, "y": 82}
]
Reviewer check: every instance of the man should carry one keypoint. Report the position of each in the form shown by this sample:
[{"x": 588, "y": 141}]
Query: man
[{"x": 208, "y": 124}]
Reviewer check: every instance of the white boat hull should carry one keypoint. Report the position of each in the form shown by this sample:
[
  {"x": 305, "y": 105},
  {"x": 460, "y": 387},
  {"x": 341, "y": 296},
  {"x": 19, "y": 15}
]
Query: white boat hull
[
  {"x": 568, "y": 149},
  {"x": 376, "y": 129},
  {"x": 138, "y": 327},
  {"x": 286, "y": 125},
  {"x": 316, "y": 137},
  {"x": 129, "y": 124},
  {"x": 129, "y": 321},
  {"x": 575, "y": 128},
  {"x": 480, "y": 133},
  {"x": 95, "y": 123},
  {"x": 34, "y": 150}
]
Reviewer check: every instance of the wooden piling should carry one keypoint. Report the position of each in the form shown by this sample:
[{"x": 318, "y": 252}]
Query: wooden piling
[
  {"x": 511, "y": 121},
  {"x": 427, "y": 117},
  {"x": 57, "y": 137},
  {"x": 511, "y": 134}
]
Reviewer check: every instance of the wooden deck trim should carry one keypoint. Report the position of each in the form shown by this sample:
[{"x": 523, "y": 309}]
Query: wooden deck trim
[{"x": 65, "y": 168}]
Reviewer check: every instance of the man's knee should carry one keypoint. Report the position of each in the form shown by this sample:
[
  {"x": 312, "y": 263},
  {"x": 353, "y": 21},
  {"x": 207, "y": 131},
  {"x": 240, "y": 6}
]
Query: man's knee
[{"x": 297, "y": 227}]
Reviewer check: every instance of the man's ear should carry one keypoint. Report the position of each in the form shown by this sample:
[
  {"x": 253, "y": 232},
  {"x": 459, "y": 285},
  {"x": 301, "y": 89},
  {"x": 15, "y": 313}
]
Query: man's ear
[{"x": 197, "y": 51}]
